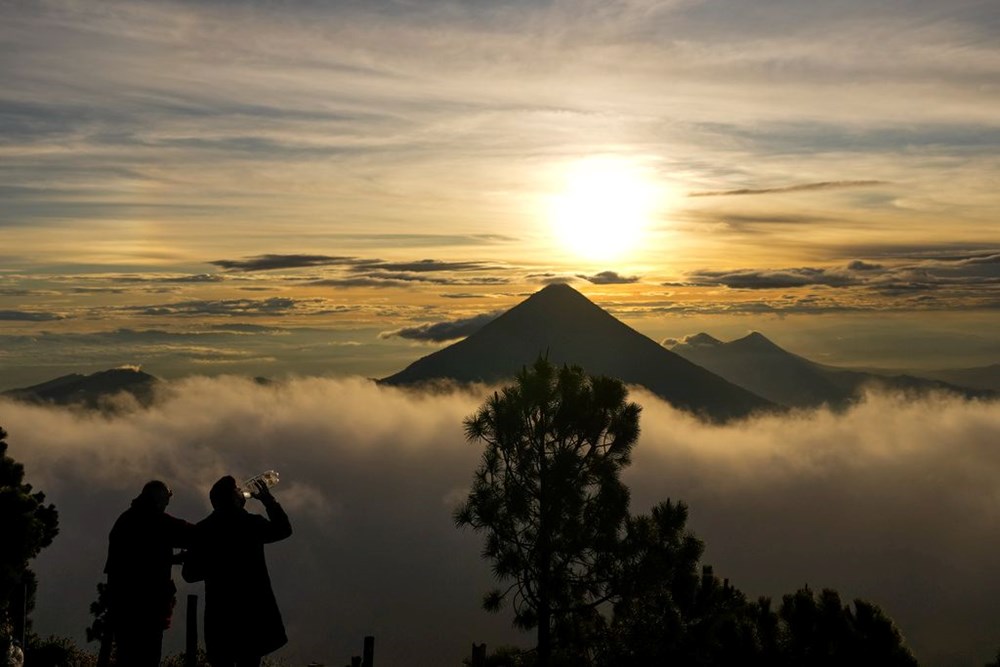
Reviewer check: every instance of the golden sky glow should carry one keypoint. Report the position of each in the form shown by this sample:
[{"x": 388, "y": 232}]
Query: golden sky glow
[
  {"x": 336, "y": 188},
  {"x": 765, "y": 164},
  {"x": 604, "y": 210}
]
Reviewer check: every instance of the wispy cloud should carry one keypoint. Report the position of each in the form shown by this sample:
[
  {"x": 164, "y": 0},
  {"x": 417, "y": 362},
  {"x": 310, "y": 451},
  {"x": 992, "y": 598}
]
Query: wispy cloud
[
  {"x": 421, "y": 266},
  {"x": 401, "y": 279},
  {"x": 28, "y": 316},
  {"x": 975, "y": 274},
  {"x": 272, "y": 262},
  {"x": 362, "y": 272},
  {"x": 227, "y": 307},
  {"x": 439, "y": 332},
  {"x": 772, "y": 279},
  {"x": 609, "y": 278},
  {"x": 195, "y": 278},
  {"x": 550, "y": 278},
  {"x": 804, "y": 187}
]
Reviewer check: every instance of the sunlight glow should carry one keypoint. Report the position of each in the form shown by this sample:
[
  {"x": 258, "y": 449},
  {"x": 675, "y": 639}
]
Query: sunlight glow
[{"x": 604, "y": 208}]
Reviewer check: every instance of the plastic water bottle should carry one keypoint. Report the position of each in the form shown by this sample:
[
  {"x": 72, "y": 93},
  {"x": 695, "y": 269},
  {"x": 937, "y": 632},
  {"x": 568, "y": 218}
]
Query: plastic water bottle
[{"x": 249, "y": 487}]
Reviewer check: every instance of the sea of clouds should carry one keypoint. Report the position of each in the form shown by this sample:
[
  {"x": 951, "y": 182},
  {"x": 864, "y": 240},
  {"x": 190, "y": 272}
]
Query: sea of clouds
[{"x": 896, "y": 501}]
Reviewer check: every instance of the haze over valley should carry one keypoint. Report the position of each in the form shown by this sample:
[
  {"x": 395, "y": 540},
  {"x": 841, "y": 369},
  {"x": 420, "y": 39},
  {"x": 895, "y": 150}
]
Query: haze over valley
[{"x": 878, "y": 501}]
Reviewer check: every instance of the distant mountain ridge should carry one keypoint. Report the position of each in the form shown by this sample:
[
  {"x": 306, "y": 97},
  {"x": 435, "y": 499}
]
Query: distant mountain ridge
[
  {"x": 983, "y": 377},
  {"x": 764, "y": 368},
  {"x": 785, "y": 378},
  {"x": 91, "y": 391},
  {"x": 564, "y": 325}
]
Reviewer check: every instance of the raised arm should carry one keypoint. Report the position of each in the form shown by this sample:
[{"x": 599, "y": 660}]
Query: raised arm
[{"x": 277, "y": 526}]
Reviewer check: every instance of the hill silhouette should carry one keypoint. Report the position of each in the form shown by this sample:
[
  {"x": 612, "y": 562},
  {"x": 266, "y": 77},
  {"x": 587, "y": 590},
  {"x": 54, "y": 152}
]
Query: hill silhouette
[
  {"x": 982, "y": 377},
  {"x": 561, "y": 323},
  {"x": 770, "y": 371},
  {"x": 91, "y": 391},
  {"x": 766, "y": 369}
]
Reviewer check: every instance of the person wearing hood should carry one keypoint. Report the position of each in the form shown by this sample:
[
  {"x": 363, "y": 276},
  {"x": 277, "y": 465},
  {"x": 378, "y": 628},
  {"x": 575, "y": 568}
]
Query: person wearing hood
[
  {"x": 141, "y": 593},
  {"x": 242, "y": 619}
]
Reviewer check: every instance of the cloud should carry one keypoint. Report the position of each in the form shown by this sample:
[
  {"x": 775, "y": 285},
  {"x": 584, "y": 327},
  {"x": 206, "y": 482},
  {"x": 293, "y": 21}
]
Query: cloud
[
  {"x": 271, "y": 262},
  {"x": 971, "y": 280},
  {"x": 196, "y": 278},
  {"x": 743, "y": 220},
  {"x": 422, "y": 266},
  {"x": 804, "y": 187},
  {"x": 772, "y": 279},
  {"x": 692, "y": 340},
  {"x": 29, "y": 316},
  {"x": 461, "y": 295},
  {"x": 377, "y": 279},
  {"x": 245, "y": 328},
  {"x": 229, "y": 307},
  {"x": 915, "y": 251},
  {"x": 360, "y": 272},
  {"x": 248, "y": 349},
  {"x": 439, "y": 332},
  {"x": 98, "y": 290},
  {"x": 19, "y": 291},
  {"x": 549, "y": 278},
  {"x": 609, "y": 278},
  {"x": 893, "y": 500},
  {"x": 380, "y": 281},
  {"x": 981, "y": 259},
  {"x": 859, "y": 265}
]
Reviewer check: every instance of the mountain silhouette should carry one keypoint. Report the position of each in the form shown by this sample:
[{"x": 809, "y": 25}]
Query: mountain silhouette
[
  {"x": 785, "y": 378},
  {"x": 981, "y": 377},
  {"x": 561, "y": 323},
  {"x": 91, "y": 391},
  {"x": 766, "y": 369}
]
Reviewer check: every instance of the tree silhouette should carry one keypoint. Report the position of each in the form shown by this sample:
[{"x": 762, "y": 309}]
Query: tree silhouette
[
  {"x": 101, "y": 626},
  {"x": 821, "y": 631},
  {"x": 555, "y": 514},
  {"x": 29, "y": 525},
  {"x": 666, "y": 613},
  {"x": 548, "y": 496}
]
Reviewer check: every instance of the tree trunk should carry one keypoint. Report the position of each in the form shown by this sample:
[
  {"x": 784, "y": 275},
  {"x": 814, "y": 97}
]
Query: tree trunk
[
  {"x": 544, "y": 560},
  {"x": 544, "y": 632}
]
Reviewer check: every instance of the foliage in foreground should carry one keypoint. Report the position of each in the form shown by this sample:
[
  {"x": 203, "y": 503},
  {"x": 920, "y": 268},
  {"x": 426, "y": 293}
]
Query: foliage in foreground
[
  {"x": 29, "y": 525},
  {"x": 607, "y": 589},
  {"x": 547, "y": 494}
]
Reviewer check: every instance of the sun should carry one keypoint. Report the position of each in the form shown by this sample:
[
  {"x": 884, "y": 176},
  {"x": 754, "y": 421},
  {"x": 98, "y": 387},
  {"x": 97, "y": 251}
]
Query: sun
[{"x": 604, "y": 208}]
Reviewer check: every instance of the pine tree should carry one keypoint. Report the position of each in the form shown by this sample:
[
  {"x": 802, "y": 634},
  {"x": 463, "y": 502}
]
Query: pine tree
[
  {"x": 548, "y": 496},
  {"x": 29, "y": 525}
]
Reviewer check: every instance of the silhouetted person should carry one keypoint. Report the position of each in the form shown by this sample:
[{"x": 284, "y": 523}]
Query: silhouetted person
[
  {"x": 141, "y": 593},
  {"x": 242, "y": 621}
]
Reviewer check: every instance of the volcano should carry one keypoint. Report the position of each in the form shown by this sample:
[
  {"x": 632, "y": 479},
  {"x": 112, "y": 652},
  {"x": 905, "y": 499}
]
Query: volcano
[
  {"x": 92, "y": 391},
  {"x": 562, "y": 324}
]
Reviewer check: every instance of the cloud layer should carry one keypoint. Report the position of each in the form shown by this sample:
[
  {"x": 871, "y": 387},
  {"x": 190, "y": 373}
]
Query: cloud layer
[
  {"x": 893, "y": 501},
  {"x": 801, "y": 187},
  {"x": 439, "y": 332}
]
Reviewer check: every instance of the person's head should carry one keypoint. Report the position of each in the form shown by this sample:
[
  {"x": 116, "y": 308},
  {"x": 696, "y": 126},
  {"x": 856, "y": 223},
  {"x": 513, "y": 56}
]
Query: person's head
[
  {"x": 225, "y": 494},
  {"x": 155, "y": 494}
]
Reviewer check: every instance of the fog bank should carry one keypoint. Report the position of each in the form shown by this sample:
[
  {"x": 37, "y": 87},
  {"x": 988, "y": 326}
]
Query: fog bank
[{"x": 894, "y": 501}]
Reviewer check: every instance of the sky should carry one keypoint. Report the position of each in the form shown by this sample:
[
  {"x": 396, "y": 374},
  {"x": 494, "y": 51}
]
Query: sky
[
  {"x": 329, "y": 188},
  {"x": 894, "y": 501},
  {"x": 325, "y": 192}
]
